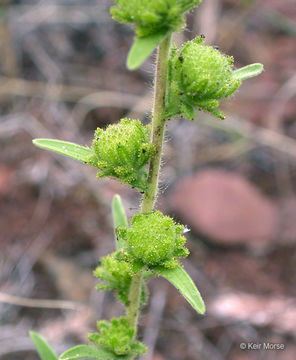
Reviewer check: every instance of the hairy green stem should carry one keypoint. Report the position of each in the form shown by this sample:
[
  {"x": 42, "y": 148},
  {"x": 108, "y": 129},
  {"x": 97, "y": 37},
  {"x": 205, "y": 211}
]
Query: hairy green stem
[
  {"x": 158, "y": 122},
  {"x": 132, "y": 311}
]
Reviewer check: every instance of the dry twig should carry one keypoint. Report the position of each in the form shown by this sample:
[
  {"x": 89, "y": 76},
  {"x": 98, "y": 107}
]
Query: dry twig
[{"x": 39, "y": 303}]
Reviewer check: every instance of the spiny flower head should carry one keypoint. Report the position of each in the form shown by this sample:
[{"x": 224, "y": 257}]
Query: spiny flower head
[
  {"x": 199, "y": 76},
  {"x": 116, "y": 274},
  {"x": 117, "y": 337},
  {"x": 153, "y": 240},
  {"x": 152, "y": 16},
  {"x": 122, "y": 151}
]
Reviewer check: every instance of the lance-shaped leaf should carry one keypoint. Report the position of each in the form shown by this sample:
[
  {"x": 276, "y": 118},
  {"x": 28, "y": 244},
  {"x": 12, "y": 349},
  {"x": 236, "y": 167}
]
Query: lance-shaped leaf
[
  {"x": 184, "y": 284},
  {"x": 248, "y": 71},
  {"x": 71, "y": 150},
  {"x": 43, "y": 349},
  {"x": 89, "y": 352},
  {"x": 142, "y": 48},
  {"x": 119, "y": 218}
]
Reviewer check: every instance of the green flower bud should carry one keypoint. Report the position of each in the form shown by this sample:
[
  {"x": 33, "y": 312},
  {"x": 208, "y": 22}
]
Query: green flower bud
[
  {"x": 199, "y": 76},
  {"x": 117, "y": 337},
  {"x": 122, "y": 151},
  {"x": 116, "y": 274},
  {"x": 153, "y": 240},
  {"x": 152, "y": 16}
]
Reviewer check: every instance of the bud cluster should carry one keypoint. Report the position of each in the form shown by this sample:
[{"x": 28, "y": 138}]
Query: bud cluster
[
  {"x": 118, "y": 337},
  {"x": 152, "y": 240},
  {"x": 116, "y": 274},
  {"x": 199, "y": 76},
  {"x": 122, "y": 151},
  {"x": 152, "y": 16}
]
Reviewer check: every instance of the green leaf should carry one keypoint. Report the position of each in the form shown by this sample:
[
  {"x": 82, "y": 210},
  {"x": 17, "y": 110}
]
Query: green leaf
[
  {"x": 142, "y": 48},
  {"x": 119, "y": 217},
  {"x": 43, "y": 349},
  {"x": 74, "y": 151},
  {"x": 88, "y": 352},
  {"x": 248, "y": 71},
  {"x": 184, "y": 284}
]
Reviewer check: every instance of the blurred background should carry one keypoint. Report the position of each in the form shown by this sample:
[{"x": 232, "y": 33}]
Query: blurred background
[{"x": 232, "y": 182}]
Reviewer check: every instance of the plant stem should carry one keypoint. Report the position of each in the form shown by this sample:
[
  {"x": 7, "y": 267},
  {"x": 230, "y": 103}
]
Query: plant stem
[
  {"x": 132, "y": 311},
  {"x": 158, "y": 122}
]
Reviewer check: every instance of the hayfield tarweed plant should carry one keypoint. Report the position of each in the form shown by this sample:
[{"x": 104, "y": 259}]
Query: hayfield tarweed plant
[{"x": 187, "y": 79}]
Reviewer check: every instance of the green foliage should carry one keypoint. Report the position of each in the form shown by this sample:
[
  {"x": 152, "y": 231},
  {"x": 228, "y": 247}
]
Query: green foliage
[
  {"x": 184, "y": 284},
  {"x": 153, "y": 20},
  {"x": 119, "y": 217},
  {"x": 118, "y": 337},
  {"x": 43, "y": 349},
  {"x": 248, "y": 71},
  {"x": 89, "y": 352},
  {"x": 122, "y": 151},
  {"x": 71, "y": 150},
  {"x": 153, "y": 240},
  {"x": 142, "y": 48},
  {"x": 199, "y": 76},
  {"x": 118, "y": 213},
  {"x": 152, "y": 16},
  {"x": 116, "y": 274}
]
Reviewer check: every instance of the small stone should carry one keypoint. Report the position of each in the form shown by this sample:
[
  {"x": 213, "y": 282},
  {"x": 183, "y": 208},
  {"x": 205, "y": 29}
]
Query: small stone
[
  {"x": 277, "y": 312},
  {"x": 226, "y": 208}
]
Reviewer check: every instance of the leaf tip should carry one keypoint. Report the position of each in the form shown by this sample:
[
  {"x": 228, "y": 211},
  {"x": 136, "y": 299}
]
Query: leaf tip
[
  {"x": 116, "y": 198},
  {"x": 202, "y": 310},
  {"x": 249, "y": 71},
  {"x": 130, "y": 63},
  {"x": 259, "y": 68},
  {"x": 38, "y": 142},
  {"x": 35, "y": 142}
]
